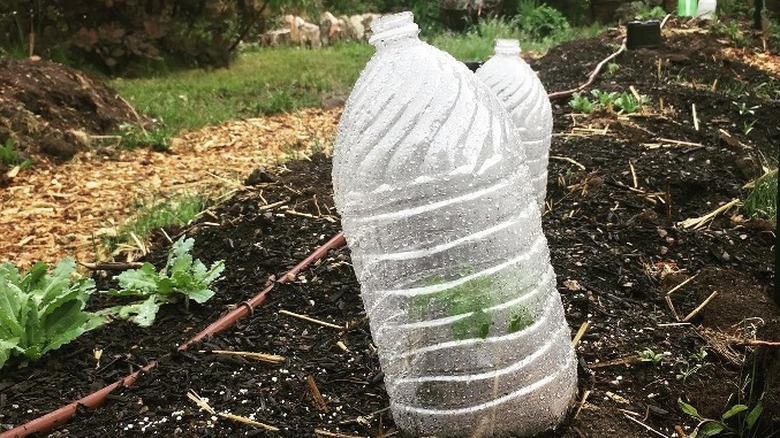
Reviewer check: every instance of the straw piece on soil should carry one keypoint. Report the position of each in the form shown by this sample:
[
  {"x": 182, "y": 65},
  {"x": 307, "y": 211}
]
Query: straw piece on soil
[
  {"x": 625, "y": 360},
  {"x": 323, "y": 432},
  {"x": 580, "y": 333},
  {"x": 567, "y": 159},
  {"x": 649, "y": 429},
  {"x": 312, "y": 320},
  {"x": 617, "y": 398},
  {"x": 315, "y": 394},
  {"x": 679, "y": 142},
  {"x": 263, "y": 357},
  {"x": 699, "y": 222},
  {"x": 700, "y": 307},
  {"x": 752, "y": 184},
  {"x": 671, "y": 307},
  {"x": 676, "y": 288},
  {"x": 585, "y": 396},
  {"x": 249, "y": 421},
  {"x": 192, "y": 395}
]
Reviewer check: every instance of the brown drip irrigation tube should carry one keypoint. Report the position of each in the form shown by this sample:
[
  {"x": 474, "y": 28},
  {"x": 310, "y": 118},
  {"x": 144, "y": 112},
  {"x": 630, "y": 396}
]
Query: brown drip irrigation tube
[
  {"x": 247, "y": 307},
  {"x": 62, "y": 415}
]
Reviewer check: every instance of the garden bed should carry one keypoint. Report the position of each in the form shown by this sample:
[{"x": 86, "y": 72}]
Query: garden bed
[{"x": 619, "y": 188}]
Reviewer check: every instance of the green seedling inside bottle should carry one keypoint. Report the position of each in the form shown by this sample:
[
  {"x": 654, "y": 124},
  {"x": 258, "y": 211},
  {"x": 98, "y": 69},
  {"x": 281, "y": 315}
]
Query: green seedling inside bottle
[{"x": 472, "y": 298}]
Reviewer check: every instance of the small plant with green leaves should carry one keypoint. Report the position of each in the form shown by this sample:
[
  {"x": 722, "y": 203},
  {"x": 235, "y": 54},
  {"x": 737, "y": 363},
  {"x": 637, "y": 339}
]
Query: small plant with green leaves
[
  {"x": 470, "y": 298},
  {"x": 157, "y": 139},
  {"x": 628, "y": 103},
  {"x": 711, "y": 427},
  {"x": 649, "y": 356},
  {"x": 733, "y": 32},
  {"x": 182, "y": 278},
  {"x": 744, "y": 109},
  {"x": 695, "y": 363},
  {"x": 747, "y": 127},
  {"x": 612, "y": 68},
  {"x": 10, "y": 156},
  {"x": 605, "y": 98},
  {"x": 653, "y": 13},
  {"x": 622, "y": 102},
  {"x": 41, "y": 311},
  {"x": 581, "y": 103},
  {"x": 762, "y": 200},
  {"x": 173, "y": 210}
]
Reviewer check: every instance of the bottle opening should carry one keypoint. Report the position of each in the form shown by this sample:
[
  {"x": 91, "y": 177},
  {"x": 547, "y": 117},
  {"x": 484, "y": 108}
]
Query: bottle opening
[
  {"x": 507, "y": 47},
  {"x": 393, "y": 27}
]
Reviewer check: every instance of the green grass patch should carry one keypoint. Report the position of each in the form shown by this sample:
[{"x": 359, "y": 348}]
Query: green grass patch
[
  {"x": 178, "y": 210},
  {"x": 762, "y": 200},
  {"x": 261, "y": 81},
  {"x": 265, "y": 81}
]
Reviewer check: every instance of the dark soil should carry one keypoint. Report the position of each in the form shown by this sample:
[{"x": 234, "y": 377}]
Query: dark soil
[
  {"x": 42, "y": 103},
  {"x": 617, "y": 247}
]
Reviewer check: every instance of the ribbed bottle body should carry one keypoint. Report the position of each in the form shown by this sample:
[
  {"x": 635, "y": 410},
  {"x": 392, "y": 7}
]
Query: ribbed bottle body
[
  {"x": 706, "y": 9},
  {"x": 447, "y": 245},
  {"x": 517, "y": 86}
]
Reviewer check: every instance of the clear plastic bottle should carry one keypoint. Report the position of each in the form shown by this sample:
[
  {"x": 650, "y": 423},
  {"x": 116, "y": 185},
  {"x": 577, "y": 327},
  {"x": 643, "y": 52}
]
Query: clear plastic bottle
[
  {"x": 447, "y": 244},
  {"x": 706, "y": 9},
  {"x": 524, "y": 96}
]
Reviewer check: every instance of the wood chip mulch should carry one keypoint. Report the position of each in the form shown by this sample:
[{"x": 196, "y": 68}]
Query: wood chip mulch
[{"x": 54, "y": 211}]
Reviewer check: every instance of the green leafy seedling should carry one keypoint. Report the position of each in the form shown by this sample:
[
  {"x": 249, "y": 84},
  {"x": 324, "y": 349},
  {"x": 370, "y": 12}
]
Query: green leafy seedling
[
  {"x": 41, "y": 311},
  {"x": 521, "y": 318},
  {"x": 470, "y": 298},
  {"x": 627, "y": 103},
  {"x": 10, "y": 156},
  {"x": 182, "y": 278},
  {"x": 648, "y": 355},
  {"x": 708, "y": 427},
  {"x": 580, "y": 103},
  {"x": 605, "y": 98},
  {"x": 695, "y": 362}
]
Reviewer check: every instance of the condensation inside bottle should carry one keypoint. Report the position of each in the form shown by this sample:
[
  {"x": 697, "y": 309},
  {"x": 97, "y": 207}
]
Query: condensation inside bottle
[{"x": 446, "y": 242}]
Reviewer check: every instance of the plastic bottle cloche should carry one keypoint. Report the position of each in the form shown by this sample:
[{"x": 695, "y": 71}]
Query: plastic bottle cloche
[
  {"x": 524, "y": 96},
  {"x": 446, "y": 242}
]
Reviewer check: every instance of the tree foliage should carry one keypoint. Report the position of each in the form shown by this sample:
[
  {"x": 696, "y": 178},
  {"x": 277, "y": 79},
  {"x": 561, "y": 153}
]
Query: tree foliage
[{"x": 115, "y": 33}]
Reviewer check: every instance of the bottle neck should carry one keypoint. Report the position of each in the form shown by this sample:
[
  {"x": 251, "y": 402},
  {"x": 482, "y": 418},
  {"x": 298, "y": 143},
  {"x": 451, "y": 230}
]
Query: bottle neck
[
  {"x": 394, "y": 31},
  {"x": 507, "y": 47}
]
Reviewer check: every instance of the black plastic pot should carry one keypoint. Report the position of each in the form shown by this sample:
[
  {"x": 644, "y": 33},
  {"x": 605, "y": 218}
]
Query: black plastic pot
[{"x": 643, "y": 34}]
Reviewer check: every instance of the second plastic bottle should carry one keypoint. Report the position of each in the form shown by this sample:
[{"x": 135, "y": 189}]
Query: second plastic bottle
[
  {"x": 524, "y": 96},
  {"x": 446, "y": 242}
]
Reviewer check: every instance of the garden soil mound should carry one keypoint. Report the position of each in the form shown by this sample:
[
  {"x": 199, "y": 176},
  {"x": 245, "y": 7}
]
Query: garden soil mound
[
  {"x": 631, "y": 262},
  {"x": 48, "y": 108}
]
